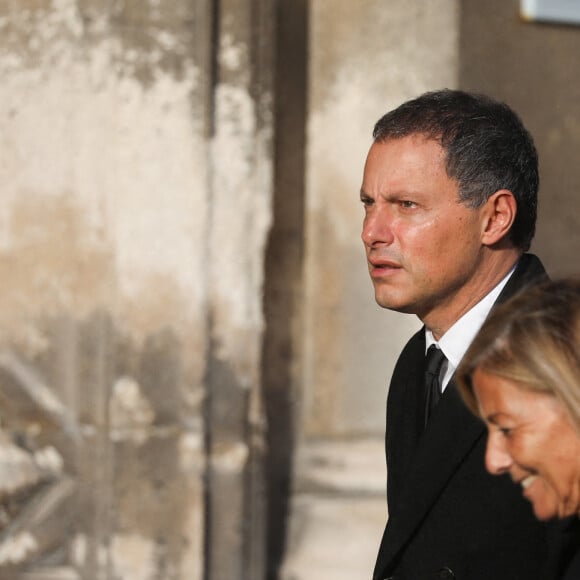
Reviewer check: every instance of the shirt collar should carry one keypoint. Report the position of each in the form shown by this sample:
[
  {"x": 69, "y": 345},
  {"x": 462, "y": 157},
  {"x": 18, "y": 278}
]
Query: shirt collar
[{"x": 455, "y": 342}]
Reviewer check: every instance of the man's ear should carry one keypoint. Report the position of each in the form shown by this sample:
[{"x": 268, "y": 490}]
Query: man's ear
[{"x": 499, "y": 212}]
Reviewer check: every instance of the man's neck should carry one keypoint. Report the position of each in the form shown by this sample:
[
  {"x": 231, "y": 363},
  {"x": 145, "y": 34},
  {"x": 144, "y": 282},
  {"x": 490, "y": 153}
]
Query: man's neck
[{"x": 444, "y": 315}]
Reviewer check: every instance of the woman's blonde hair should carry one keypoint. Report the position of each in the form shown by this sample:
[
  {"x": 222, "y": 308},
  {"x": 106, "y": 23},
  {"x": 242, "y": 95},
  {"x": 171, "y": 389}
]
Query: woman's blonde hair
[{"x": 533, "y": 340}]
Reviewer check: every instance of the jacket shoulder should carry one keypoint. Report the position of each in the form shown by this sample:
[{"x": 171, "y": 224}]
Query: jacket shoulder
[
  {"x": 413, "y": 350},
  {"x": 529, "y": 272}
]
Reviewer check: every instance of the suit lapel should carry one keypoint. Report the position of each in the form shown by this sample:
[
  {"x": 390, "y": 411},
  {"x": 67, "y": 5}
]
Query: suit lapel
[
  {"x": 451, "y": 427},
  {"x": 405, "y": 429},
  {"x": 528, "y": 272}
]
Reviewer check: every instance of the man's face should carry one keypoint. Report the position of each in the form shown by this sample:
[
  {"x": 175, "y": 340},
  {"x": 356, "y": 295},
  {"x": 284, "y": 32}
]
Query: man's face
[{"x": 423, "y": 246}]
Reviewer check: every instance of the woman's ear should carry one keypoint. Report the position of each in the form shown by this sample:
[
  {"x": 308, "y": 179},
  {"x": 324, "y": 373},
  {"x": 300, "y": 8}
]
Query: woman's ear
[{"x": 500, "y": 213}]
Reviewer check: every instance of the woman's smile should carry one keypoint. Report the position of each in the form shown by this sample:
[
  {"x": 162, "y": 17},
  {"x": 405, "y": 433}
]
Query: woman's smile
[{"x": 531, "y": 437}]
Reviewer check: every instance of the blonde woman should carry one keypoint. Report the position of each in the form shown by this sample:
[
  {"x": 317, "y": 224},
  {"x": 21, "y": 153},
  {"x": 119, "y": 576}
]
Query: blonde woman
[{"x": 521, "y": 375}]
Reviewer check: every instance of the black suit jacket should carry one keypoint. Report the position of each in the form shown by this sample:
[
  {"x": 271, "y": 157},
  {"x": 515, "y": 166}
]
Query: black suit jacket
[
  {"x": 448, "y": 518},
  {"x": 573, "y": 570}
]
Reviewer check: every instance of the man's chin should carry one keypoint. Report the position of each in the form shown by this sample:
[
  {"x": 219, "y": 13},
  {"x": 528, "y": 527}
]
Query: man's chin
[{"x": 392, "y": 304}]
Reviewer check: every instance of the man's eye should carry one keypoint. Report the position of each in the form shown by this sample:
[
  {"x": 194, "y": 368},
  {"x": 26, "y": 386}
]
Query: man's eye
[
  {"x": 407, "y": 204},
  {"x": 505, "y": 431},
  {"x": 366, "y": 201}
]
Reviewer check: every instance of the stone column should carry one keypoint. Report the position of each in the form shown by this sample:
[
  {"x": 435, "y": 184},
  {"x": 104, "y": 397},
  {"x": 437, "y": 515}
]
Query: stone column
[{"x": 240, "y": 216}]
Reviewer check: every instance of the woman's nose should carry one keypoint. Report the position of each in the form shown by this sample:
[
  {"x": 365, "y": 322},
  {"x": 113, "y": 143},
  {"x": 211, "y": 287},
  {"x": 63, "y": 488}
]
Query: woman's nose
[{"x": 497, "y": 458}]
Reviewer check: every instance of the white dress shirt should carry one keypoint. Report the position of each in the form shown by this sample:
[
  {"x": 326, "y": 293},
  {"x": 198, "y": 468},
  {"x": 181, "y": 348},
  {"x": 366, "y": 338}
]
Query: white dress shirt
[{"x": 455, "y": 342}]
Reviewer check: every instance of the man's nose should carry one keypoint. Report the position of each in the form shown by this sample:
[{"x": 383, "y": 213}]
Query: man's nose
[
  {"x": 377, "y": 227},
  {"x": 497, "y": 458}
]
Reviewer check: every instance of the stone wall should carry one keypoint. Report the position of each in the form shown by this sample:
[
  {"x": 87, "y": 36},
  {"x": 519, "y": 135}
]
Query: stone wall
[{"x": 135, "y": 164}]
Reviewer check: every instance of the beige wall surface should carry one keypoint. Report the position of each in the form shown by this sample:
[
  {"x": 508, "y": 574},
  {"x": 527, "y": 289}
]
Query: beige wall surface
[
  {"x": 97, "y": 309},
  {"x": 135, "y": 186},
  {"x": 365, "y": 58}
]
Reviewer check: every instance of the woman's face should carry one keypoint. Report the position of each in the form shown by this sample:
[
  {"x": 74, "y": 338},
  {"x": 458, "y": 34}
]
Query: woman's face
[{"x": 531, "y": 437}]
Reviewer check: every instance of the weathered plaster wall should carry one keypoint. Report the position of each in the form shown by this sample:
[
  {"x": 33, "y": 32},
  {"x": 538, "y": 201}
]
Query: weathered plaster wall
[
  {"x": 95, "y": 213},
  {"x": 135, "y": 186},
  {"x": 104, "y": 215}
]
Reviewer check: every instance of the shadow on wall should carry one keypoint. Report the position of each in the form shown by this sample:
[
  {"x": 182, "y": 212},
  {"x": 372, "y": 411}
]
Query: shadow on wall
[{"x": 283, "y": 280}]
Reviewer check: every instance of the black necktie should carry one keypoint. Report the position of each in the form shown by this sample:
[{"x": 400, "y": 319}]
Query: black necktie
[{"x": 433, "y": 362}]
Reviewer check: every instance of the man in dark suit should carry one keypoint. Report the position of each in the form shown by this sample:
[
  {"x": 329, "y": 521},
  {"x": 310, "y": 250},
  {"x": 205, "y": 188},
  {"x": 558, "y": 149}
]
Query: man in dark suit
[{"x": 450, "y": 196}]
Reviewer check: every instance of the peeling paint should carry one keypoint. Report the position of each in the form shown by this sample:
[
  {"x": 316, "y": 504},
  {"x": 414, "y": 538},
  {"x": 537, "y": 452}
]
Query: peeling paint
[
  {"x": 47, "y": 264},
  {"x": 80, "y": 132},
  {"x": 232, "y": 54},
  {"x": 43, "y": 35},
  {"x": 18, "y": 470},
  {"x": 49, "y": 461},
  {"x": 17, "y": 548},
  {"x": 243, "y": 220},
  {"x": 192, "y": 452},
  {"x": 230, "y": 459},
  {"x": 133, "y": 556},
  {"x": 131, "y": 413}
]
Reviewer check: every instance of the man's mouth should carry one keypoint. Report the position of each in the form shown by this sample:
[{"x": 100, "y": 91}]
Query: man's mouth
[
  {"x": 384, "y": 265},
  {"x": 382, "y": 269}
]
